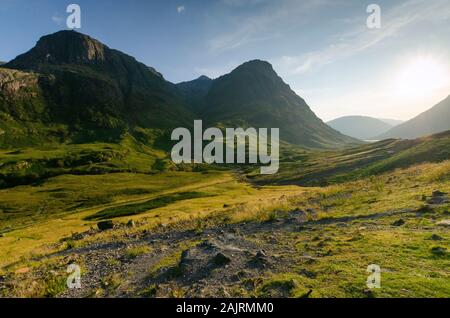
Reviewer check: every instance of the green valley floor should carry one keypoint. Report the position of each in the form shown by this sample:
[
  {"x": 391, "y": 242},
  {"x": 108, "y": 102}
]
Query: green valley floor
[{"x": 213, "y": 233}]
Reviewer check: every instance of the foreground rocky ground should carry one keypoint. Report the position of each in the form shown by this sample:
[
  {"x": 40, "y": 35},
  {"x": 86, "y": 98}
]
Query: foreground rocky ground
[{"x": 320, "y": 248}]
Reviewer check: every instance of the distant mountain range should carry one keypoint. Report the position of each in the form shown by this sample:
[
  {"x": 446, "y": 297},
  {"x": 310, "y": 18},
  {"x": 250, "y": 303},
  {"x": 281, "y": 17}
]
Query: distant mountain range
[
  {"x": 434, "y": 120},
  {"x": 71, "y": 87},
  {"x": 361, "y": 127}
]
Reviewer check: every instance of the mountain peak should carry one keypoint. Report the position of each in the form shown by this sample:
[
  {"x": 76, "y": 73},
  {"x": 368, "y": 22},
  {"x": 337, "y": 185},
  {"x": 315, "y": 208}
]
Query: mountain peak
[
  {"x": 203, "y": 78},
  {"x": 256, "y": 65},
  {"x": 63, "y": 47}
]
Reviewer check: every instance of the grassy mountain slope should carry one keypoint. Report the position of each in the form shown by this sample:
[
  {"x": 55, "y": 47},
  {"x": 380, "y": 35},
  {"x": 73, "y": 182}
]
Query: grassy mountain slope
[
  {"x": 321, "y": 168},
  {"x": 97, "y": 92},
  {"x": 360, "y": 127},
  {"x": 434, "y": 120},
  {"x": 254, "y": 95}
]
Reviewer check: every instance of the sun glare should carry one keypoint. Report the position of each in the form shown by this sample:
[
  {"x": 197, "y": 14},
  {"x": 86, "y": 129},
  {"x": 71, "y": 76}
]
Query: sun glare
[{"x": 422, "y": 76}]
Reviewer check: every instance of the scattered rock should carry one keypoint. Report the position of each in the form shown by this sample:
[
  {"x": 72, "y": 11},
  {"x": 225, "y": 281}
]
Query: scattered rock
[
  {"x": 261, "y": 254},
  {"x": 425, "y": 209},
  {"x": 221, "y": 259},
  {"x": 399, "y": 222},
  {"x": 435, "y": 237},
  {"x": 259, "y": 259},
  {"x": 439, "y": 251},
  {"x": 105, "y": 225},
  {"x": 438, "y": 197},
  {"x": 239, "y": 276},
  {"x": 437, "y": 200},
  {"x": 308, "y": 274},
  {"x": 445, "y": 223},
  {"x": 369, "y": 293},
  {"x": 438, "y": 193}
]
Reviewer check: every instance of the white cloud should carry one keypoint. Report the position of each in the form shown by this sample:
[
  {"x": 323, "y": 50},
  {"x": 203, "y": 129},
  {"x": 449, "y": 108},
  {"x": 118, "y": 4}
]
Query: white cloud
[
  {"x": 181, "y": 9},
  {"x": 56, "y": 18},
  {"x": 259, "y": 27}
]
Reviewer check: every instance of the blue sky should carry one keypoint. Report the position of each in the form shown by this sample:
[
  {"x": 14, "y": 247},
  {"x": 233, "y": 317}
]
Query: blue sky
[{"x": 322, "y": 48}]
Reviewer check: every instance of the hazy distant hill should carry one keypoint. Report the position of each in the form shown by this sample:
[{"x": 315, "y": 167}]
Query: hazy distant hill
[
  {"x": 361, "y": 127},
  {"x": 1, "y": 62},
  {"x": 392, "y": 122},
  {"x": 254, "y": 95},
  {"x": 434, "y": 120}
]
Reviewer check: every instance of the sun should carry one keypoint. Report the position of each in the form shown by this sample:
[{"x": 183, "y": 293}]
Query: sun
[{"x": 421, "y": 76}]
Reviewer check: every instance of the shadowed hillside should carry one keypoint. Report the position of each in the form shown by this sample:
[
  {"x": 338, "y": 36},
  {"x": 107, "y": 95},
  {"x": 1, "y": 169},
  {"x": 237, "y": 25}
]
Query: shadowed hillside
[
  {"x": 434, "y": 120},
  {"x": 90, "y": 90},
  {"x": 254, "y": 95}
]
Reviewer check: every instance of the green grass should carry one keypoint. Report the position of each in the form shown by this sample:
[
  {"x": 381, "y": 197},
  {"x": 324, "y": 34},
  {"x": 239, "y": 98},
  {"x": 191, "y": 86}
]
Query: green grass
[
  {"x": 38, "y": 219},
  {"x": 322, "y": 168},
  {"x": 138, "y": 208},
  {"x": 134, "y": 252}
]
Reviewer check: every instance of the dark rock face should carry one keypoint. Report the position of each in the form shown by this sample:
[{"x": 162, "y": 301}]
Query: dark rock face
[{"x": 98, "y": 92}]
